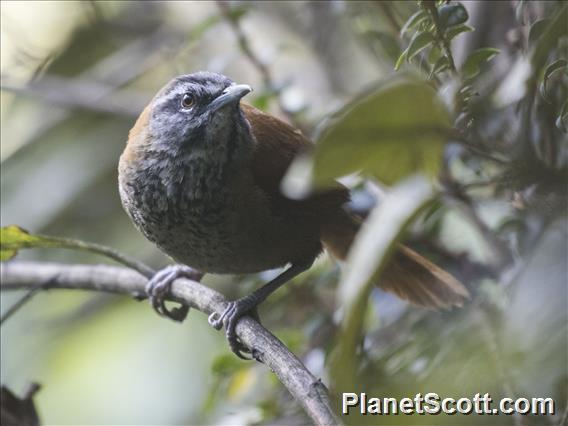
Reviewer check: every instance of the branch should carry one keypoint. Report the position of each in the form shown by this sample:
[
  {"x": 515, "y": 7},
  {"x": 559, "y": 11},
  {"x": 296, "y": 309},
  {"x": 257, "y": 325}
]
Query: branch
[
  {"x": 74, "y": 93},
  {"x": 310, "y": 392},
  {"x": 431, "y": 8}
]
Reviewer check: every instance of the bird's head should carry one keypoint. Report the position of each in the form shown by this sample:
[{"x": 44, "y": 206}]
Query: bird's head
[{"x": 194, "y": 113}]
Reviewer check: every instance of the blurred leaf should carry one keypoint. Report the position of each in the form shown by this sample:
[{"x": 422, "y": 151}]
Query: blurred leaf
[
  {"x": 389, "y": 44},
  {"x": 537, "y": 29},
  {"x": 434, "y": 54},
  {"x": 367, "y": 258},
  {"x": 452, "y": 14},
  {"x": 471, "y": 66},
  {"x": 551, "y": 69},
  {"x": 226, "y": 364},
  {"x": 397, "y": 130},
  {"x": 549, "y": 38},
  {"x": 441, "y": 65},
  {"x": 562, "y": 118},
  {"x": 413, "y": 21},
  {"x": 420, "y": 41},
  {"x": 237, "y": 12},
  {"x": 293, "y": 338},
  {"x": 241, "y": 382},
  {"x": 452, "y": 32}
]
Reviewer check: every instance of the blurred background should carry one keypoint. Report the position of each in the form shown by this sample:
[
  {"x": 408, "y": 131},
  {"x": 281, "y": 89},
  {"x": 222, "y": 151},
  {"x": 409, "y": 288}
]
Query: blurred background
[{"x": 75, "y": 75}]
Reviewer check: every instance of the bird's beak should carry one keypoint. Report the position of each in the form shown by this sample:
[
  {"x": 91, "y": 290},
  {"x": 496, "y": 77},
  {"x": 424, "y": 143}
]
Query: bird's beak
[{"x": 231, "y": 95}]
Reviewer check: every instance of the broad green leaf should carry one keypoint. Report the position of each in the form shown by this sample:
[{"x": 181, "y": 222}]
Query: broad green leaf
[
  {"x": 453, "y": 32},
  {"x": 413, "y": 21},
  {"x": 471, "y": 66},
  {"x": 551, "y": 69},
  {"x": 418, "y": 43},
  {"x": 397, "y": 130},
  {"x": 452, "y": 14},
  {"x": 371, "y": 251},
  {"x": 537, "y": 29}
]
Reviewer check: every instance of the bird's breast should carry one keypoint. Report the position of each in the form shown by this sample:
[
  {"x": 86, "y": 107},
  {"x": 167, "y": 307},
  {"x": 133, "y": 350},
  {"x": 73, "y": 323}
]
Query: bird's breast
[{"x": 214, "y": 222}]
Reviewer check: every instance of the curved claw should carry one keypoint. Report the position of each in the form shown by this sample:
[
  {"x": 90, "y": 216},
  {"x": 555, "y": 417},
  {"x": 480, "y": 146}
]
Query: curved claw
[
  {"x": 215, "y": 320},
  {"x": 160, "y": 285},
  {"x": 229, "y": 318}
]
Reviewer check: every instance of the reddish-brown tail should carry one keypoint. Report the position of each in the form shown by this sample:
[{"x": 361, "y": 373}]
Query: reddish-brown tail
[{"x": 408, "y": 275}]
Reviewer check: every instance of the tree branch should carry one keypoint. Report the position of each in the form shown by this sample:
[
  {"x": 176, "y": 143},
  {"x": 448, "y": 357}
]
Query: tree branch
[{"x": 310, "y": 392}]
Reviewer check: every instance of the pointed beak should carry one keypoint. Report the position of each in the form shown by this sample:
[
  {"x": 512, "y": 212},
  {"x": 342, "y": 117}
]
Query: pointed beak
[{"x": 231, "y": 95}]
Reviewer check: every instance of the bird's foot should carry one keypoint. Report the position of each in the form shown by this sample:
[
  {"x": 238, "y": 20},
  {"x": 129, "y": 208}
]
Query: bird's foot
[
  {"x": 229, "y": 318},
  {"x": 160, "y": 285}
]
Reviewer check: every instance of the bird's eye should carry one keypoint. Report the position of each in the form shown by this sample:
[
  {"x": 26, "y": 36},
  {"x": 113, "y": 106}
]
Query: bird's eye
[{"x": 187, "y": 101}]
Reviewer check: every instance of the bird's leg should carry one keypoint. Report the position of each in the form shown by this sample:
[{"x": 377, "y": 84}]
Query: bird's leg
[
  {"x": 160, "y": 284},
  {"x": 247, "y": 305}
]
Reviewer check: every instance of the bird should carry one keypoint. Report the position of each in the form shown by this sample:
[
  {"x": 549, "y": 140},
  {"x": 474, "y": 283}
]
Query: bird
[{"x": 200, "y": 178}]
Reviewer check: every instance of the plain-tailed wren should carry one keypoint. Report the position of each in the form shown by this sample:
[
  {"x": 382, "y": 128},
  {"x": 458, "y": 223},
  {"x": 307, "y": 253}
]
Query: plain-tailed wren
[{"x": 200, "y": 177}]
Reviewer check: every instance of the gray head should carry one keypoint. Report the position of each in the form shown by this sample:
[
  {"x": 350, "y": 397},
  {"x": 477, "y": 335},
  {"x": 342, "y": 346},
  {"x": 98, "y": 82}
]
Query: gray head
[{"x": 195, "y": 111}]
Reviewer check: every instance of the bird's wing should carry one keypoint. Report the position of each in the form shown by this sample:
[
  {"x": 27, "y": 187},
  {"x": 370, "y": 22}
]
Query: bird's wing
[{"x": 278, "y": 144}]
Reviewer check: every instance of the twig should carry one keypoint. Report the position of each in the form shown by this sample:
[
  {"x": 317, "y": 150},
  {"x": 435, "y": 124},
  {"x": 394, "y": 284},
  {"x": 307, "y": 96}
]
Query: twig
[
  {"x": 244, "y": 43},
  {"x": 305, "y": 388},
  {"x": 78, "y": 94},
  {"x": 116, "y": 70},
  {"x": 24, "y": 299},
  {"x": 111, "y": 253},
  {"x": 430, "y": 6},
  {"x": 501, "y": 254},
  {"x": 245, "y": 47}
]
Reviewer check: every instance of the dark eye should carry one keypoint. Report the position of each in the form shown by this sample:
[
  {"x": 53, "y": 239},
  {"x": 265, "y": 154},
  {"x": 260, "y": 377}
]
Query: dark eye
[{"x": 187, "y": 101}]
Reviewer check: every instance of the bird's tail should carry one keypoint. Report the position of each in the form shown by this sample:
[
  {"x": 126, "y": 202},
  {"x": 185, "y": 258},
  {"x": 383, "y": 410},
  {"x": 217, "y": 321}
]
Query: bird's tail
[{"x": 408, "y": 275}]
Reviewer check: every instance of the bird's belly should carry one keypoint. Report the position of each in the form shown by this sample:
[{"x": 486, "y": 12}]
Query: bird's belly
[
  {"x": 221, "y": 234},
  {"x": 229, "y": 243}
]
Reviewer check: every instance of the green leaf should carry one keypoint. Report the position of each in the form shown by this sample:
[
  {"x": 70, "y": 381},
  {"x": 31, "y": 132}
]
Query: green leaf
[
  {"x": 471, "y": 66},
  {"x": 413, "y": 21},
  {"x": 13, "y": 238},
  {"x": 537, "y": 29},
  {"x": 418, "y": 43},
  {"x": 397, "y": 130},
  {"x": 434, "y": 54},
  {"x": 452, "y": 14},
  {"x": 371, "y": 251},
  {"x": 388, "y": 44},
  {"x": 441, "y": 65},
  {"x": 549, "y": 38},
  {"x": 453, "y": 32},
  {"x": 551, "y": 69},
  {"x": 400, "y": 59}
]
